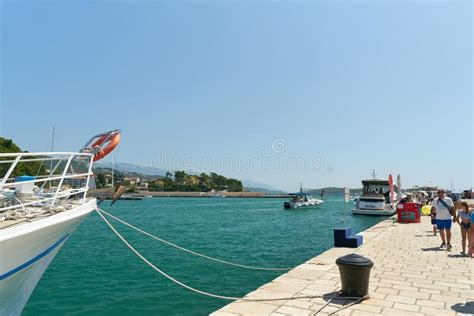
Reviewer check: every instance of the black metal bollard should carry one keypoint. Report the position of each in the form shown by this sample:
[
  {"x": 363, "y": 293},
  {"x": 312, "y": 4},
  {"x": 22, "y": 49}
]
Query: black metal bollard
[{"x": 355, "y": 273}]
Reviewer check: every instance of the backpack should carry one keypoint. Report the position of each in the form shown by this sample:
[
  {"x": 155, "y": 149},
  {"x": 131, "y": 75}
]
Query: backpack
[{"x": 446, "y": 205}]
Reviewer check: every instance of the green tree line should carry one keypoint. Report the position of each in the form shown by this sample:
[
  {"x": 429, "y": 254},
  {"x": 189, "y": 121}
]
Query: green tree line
[
  {"x": 22, "y": 168},
  {"x": 183, "y": 182}
]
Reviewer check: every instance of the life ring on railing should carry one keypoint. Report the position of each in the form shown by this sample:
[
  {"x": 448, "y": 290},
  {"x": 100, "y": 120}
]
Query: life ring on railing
[{"x": 111, "y": 142}]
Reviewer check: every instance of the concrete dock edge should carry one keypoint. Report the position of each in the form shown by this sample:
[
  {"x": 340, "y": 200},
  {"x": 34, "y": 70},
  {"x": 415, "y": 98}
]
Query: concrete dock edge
[{"x": 411, "y": 276}]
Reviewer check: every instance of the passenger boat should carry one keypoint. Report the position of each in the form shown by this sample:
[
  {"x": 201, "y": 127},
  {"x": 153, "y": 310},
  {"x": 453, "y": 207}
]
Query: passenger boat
[
  {"x": 301, "y": 199},
  {"x": 376, "y": 198},
  {"x": 39, "y": 213}
]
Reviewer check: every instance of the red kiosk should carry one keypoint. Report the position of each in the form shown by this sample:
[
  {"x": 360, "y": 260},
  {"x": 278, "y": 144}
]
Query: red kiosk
[{"x": 408, "y": 212}]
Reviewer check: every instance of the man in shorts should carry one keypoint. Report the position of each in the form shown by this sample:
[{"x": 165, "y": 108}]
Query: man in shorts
[{"x": 442, "y": 208}]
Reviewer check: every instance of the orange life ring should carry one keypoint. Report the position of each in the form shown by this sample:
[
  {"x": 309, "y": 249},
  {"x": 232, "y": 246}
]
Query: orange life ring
[
  {"x": 111, "y": 144},
  {"x": 99, "y": 142}
]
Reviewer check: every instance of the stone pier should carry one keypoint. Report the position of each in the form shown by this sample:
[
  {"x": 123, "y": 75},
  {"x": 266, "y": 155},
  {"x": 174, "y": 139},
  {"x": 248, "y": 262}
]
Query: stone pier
[{"x": 411, "y": 276}]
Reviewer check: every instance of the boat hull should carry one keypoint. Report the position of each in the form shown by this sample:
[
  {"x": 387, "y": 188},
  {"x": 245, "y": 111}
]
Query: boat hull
[
  {"x": 26, "y": 251},
  {"x": 293, "y": 205},
  {"x": 372, "y": 205},
  {"x": 375, "y": 212}
]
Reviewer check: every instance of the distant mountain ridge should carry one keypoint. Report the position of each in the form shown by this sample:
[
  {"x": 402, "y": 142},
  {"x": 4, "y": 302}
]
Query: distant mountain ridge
[
  {"x": 332, "y": 190},
  {"x": 253, "y": 184},
  {"x": 123, "y": 174},
  {"x": 265, "y": 191},
  {"x": 128, "y": 167}
]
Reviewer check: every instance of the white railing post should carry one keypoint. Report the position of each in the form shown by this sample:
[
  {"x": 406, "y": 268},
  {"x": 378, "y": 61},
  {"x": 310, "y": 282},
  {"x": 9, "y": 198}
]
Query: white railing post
[
  {"x": 51, "y": 172},
  {"x": 88, "y": 180},
  {"x": 62, "y": 178},
  {"x": 52, "y": 197},
  {"x": 10, "y": 170},
  {"x": 40, "y": 201}
]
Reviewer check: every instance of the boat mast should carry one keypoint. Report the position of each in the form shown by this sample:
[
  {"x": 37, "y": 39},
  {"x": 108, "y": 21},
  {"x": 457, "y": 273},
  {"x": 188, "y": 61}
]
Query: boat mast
[
  {"x": 52, "y": 145},
  {"x": 113, "y": 167}
]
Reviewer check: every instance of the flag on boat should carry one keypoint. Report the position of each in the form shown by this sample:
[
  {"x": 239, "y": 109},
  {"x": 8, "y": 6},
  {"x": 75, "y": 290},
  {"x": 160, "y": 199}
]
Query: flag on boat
[
  {"x": 399, "y": 188},
  {"x": 347, "y": 194},
  {"x": 390, "y": 183}
]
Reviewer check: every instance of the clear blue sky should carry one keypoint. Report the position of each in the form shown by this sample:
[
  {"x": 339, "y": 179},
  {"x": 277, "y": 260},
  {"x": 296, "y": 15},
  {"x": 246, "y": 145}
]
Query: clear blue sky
[{"x": 343, "y": 87}]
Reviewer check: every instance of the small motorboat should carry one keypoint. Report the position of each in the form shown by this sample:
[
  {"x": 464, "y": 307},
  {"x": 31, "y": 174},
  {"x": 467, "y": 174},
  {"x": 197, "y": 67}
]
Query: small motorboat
[{"x": 301, "y": 199}]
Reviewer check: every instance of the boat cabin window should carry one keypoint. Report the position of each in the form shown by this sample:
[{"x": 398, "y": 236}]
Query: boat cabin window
[
  {"x": 300, "y": 198},
  {"x": 376, "y": 189},
  {"x": 380, "y": 189}
]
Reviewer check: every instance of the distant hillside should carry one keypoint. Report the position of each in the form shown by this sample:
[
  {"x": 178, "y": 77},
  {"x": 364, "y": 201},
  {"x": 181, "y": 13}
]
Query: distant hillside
[{"x": 264, "y": 191}]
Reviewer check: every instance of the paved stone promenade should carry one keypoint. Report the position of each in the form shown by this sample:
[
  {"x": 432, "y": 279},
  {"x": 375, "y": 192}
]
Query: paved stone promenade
[{"x": 411, "y": 276}]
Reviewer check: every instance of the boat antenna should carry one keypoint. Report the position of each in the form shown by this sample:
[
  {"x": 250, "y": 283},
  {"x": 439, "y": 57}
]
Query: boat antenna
[
  {"x": 301, "y": 187},
  {"x": 373, "y": 174}
]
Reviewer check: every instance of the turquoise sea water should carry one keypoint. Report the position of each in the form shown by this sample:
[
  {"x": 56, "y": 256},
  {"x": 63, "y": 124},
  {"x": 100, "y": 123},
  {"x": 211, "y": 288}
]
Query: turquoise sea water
[{"x": 95, "y": 274}]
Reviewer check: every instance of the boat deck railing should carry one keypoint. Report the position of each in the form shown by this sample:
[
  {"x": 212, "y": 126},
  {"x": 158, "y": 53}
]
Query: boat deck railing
[{"x": 58, "y": 176}]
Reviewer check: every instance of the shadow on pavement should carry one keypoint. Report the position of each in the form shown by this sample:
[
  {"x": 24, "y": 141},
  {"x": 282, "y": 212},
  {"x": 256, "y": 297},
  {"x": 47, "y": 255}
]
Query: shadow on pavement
[
  {"x": 467, "y": 308},
  {"x": 458, "y": 255},
  {"x": 432, "y": 249}
]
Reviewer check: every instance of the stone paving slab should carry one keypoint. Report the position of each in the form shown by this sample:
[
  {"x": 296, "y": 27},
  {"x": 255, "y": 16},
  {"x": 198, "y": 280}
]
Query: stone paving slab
[{"x": 411, "y": 276}]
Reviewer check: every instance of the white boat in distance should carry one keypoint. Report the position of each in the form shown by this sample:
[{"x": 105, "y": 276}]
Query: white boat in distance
[
  {"x": 39, "y": 213},
  {"x": 301, "y": 199},
  {"x": 376, "y": 198}
]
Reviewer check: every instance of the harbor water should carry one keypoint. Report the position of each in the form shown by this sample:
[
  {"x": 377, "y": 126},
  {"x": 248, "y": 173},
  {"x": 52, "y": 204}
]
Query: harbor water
[{"x": 95, "y": 274}]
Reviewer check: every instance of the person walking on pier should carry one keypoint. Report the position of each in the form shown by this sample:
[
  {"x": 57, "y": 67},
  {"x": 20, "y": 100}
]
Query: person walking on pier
[
  {"x": 442, "y": 208},
  {"x": 471, "y": 236}
]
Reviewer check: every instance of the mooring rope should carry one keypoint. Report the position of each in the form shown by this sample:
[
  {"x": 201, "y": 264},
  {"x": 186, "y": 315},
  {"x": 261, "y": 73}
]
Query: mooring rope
[
  {"x": 231, "y": 298},
  {"x": 357, "y": 301},
  {"x": 190, "y": 251}
]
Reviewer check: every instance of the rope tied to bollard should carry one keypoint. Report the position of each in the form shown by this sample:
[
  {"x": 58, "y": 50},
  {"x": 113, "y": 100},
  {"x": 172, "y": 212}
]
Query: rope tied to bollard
[{"x": 357, "y": 301}]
